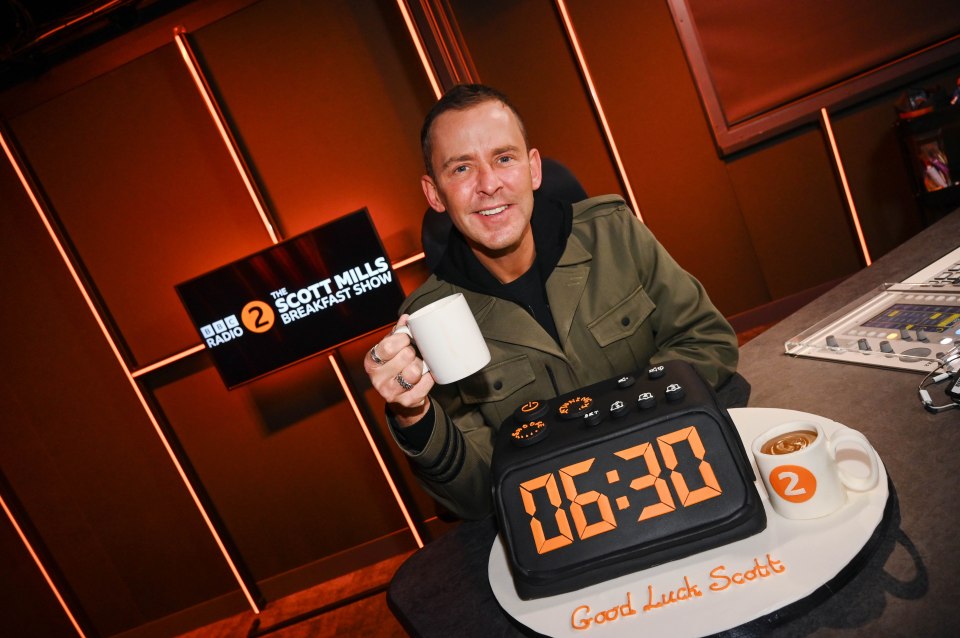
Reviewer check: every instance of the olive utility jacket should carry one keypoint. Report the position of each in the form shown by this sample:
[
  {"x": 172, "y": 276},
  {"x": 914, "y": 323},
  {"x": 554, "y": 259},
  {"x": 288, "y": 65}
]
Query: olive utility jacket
[{"x": 620, "y": 303}]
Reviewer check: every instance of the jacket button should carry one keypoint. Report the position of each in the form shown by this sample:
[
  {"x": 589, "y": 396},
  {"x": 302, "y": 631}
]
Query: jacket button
[
  {"x": 625, "y": 321},
  {"x": 497, "y": 385}
]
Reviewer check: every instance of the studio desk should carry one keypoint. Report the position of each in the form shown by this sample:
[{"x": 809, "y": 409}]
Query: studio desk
[{"x": 907, "y": 585}]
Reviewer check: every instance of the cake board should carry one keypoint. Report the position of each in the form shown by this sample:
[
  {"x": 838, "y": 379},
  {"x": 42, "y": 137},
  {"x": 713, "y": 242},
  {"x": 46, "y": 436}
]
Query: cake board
[{"x": 754, "y": 582}]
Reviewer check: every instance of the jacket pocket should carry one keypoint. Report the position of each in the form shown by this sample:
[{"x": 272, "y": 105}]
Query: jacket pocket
[
  {"x": 623, "y": 320},
  {"x": 498, "y": 381}
]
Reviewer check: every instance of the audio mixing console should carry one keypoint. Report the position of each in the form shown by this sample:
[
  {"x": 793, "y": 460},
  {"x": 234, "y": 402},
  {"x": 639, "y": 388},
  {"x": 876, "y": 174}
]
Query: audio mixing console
[{"x": 912, "y": 325}]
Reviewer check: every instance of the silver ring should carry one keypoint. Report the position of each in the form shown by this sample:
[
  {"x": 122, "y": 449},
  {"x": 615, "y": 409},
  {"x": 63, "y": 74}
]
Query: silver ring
[
  {"x": 373, "y": 355},
  {"x": 403, "y": 383}
]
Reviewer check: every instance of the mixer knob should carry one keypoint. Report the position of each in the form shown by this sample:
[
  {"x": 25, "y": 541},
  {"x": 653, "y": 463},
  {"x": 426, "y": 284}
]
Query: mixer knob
[
  {"x": 593, "y": 418},
  {"x": 922, "y": 336},
  {"x": 863, "y": 345},
  {"x": 885, "y": 347},
  {"x": 646, "y": 400},
  {"x": 529, "y": 433},
  {"x": 531, "y": 411},
  {"x": 832, "y": 342},
  {"x": 618, "y": 409},
  {"x": 675, "y": 392},
  {"x": 904, "y": 334}
]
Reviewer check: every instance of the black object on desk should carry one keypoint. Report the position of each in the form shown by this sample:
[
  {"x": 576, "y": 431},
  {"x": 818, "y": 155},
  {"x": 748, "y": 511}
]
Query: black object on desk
[{"x": 578, "y": 490}]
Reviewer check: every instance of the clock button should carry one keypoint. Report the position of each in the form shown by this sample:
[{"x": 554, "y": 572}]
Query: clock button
[
  {"x": 529, "y": 433},
  {"x": 575, "y": 408},
  {"x": 675, "y": 392},
  {"x": 646, "y": 400},
  {"x": 625, "y": 381},
  {"x": 531, "y": 411},
  {"x": 593, "y": 418},
  {"x": 656, "y": 372},
  {"x": 618, "y": 409}
]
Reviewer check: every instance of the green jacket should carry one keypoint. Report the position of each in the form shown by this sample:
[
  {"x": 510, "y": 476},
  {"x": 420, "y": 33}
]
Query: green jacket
[{"x": 620, "y": 303}]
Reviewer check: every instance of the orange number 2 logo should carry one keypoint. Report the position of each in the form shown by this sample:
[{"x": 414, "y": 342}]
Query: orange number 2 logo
[{"x": 793, "y": 483}]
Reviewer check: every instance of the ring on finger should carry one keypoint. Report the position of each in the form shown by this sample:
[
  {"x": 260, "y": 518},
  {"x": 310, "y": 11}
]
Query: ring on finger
[
  {"x": 373, "y": 355},
  {"x": 403, "y": 383}
]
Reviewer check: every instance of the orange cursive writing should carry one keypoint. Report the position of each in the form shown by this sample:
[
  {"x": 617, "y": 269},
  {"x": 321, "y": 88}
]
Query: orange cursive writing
[
  {"x": 686, "y": 592},
  {"x": 771, "y": 567},
  {"x": 582, "y": 617}
]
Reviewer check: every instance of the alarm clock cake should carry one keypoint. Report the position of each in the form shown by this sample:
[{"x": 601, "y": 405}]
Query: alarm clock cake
[{"x": 619, "y": 476}]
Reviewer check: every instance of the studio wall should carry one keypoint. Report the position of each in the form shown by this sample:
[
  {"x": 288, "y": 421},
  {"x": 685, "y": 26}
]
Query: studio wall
[{"x": 99, "y": 452}]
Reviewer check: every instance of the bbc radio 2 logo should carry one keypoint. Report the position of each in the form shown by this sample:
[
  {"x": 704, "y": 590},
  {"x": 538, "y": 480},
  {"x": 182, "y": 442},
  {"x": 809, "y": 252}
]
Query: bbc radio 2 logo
[
  {"x": 259, "y": 316},
  {"x": 256, "y": 317}
]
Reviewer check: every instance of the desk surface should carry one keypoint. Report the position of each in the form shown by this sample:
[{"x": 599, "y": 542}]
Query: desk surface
[{"x": 909, "y": 587}]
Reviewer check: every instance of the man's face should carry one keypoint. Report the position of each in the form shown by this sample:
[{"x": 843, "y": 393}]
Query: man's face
[{"x": 484, "y": 177}]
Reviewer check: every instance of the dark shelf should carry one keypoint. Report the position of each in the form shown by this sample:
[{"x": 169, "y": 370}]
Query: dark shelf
[{"x": 937, "y": 129}]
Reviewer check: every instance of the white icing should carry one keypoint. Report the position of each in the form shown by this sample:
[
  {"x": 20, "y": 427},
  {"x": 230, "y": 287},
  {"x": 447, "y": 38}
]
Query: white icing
[{"x": 785, "y": 563}]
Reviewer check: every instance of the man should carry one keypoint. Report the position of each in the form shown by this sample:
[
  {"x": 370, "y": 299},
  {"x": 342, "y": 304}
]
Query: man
[{"x": 565, "y": 296}]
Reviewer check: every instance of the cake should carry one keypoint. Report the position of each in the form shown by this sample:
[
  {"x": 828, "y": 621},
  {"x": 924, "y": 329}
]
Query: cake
[{"x": 619, "y": 476}]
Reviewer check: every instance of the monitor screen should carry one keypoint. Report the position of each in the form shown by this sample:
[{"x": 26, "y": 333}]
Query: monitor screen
[
  {"x": 293, "y": 300},
  {"x": 916, "y": 316}
]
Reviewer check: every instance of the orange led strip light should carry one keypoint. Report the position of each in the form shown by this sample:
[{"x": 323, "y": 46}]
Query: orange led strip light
[
  {"x": 139, "y": 372},
  {"x": 180, "y": 36},
  {"x": 415, "y": 36},
  {"x": 76, "y": 20},
  {"x": 409, "y": 260},
  {"x": 825, "y": 120},
  {"x": 21, "y": 174},
  {"x": 43, "y": 571},
  {"x": 608, "y": 134},
  {"x": 376, "y": 452}
]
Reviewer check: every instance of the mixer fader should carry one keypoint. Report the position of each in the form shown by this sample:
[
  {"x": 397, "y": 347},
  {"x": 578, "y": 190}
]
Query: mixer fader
[{"x": 909, "y": 326}]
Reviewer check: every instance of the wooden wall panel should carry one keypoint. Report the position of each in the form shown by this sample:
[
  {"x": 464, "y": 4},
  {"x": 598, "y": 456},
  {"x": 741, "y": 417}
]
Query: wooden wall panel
[
  {"x": 520, "y": 48},
  {"x": 791, "y": 202},
  {"x": 685, "y": 194},
  {"x": 283, "y": 460},
  {"x": 327, "y": 98},
  {"x": 134, "y": 168},
  {"x": 78, "y": 451},
  {"x": 29, "y": 607},
  {"x": 422, "y": 505}
]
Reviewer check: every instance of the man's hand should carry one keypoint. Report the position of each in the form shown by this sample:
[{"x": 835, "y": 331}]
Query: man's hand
[{"x": 396, "y": 372}]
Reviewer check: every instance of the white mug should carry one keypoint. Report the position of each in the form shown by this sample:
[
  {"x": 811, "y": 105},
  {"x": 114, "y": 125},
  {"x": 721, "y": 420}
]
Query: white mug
[
  {"x": 801, "y": 472},
  {"x": 448, "y": 338}
]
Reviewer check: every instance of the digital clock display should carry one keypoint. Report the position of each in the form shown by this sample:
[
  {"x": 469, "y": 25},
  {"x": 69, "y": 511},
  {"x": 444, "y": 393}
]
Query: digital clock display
[
  {"x": 643, "y": 487},
  {"x": 648, "y": 473}
]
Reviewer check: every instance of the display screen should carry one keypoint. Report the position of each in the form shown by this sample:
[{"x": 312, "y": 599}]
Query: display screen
[
  {"x": 916, "y": 317},
  {"x": 661, "y": 482},
  {"x": 301, "y": 297}
]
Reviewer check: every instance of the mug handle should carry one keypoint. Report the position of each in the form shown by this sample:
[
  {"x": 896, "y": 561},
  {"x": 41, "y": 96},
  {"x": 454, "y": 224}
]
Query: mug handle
[
  {"x": 406, "y": 331},
  {"x": 853, "y": 482}
]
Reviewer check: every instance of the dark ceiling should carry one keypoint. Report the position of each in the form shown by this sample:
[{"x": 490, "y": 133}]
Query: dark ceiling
[{"x": 38, "y": 34}]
